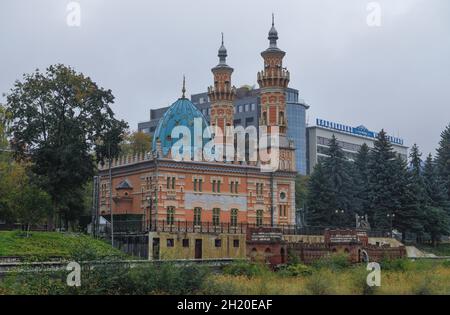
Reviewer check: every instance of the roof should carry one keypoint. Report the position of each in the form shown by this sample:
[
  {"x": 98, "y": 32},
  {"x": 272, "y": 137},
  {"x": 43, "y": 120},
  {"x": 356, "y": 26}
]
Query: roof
[{"x": 181, "y": 113}]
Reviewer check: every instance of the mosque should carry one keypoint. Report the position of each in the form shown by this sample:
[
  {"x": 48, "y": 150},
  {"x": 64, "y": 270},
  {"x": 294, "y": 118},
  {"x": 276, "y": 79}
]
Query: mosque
[{"x": 195, "y": 208}]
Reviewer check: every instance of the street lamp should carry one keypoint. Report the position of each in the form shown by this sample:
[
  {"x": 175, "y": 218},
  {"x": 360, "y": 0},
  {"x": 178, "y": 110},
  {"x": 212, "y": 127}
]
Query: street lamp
[
  {"x": 340, "y": 214},
  {"x": 391, "y": 216}
]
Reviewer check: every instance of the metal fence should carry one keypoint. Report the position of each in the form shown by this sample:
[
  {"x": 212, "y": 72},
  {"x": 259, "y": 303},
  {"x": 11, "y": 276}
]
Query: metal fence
[{"x": 139, "y": 226}]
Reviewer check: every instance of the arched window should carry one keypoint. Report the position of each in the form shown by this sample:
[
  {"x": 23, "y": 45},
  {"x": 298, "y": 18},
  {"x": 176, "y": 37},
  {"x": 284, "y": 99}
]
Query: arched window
[
  {"x": 281, "y": 117},
  {"x": 234, "y": 217},
  {"x": 170, "y": 215},
  {"x": 197, "y": 216},
  {"x": 259, "y": 217},
  {"x": 216, "y": 217}
]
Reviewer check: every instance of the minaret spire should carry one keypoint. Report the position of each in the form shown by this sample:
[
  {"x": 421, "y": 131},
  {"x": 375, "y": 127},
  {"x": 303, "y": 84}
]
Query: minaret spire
[
  {"x": 222, "y": 53},
  {"x": 273, "y": 34},
  {"x": 183, "y": 90}
]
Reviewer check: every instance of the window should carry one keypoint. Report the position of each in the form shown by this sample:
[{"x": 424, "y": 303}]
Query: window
[
  {"x": 234, "y": 217},
  {"x": 235, "y": 243},
  {"x": 240, "y": 108},
  {"x": 253, "y": 106},
  {"x": 218, "y": 242},
  {"x": 259, "y": 189},
  {"x": 247, "y": 107},
  {"x": 185, "y": 242},
  {"x": 168, "y": 182},
  {"x": 218, "y": 186},
  {"x": 259, "y": 217},
  {"x": 213, "y": 186},
  {"x": 236, "y": 187},
  {"x": 216, "y": 217},
  {"x": 197, "y": 216},
  {"x": 173, "y": 182},
  {"x": 200, "y": 184},
  {"x": 195, "y": 184},
  {"x": 170, "y": 215},
  {"x": 170, "y": 242},
  {"x": 231, "y": 187}
]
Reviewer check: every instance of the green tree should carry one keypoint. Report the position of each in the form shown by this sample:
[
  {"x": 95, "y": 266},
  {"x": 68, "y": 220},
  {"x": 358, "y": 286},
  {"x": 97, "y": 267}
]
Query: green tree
[
  {"x": 361, "y": 179},
  {"x": 136, "y": 143},
  {"x": 301, "y": 194},
  {"x": 384, "y": 190},
  {"x": 443, "y": 158},
  {"x": 437, "y": 218},
  {"x": 321, "y": 198},
  {"x": 338, "y": 170},
  {"x": 411, "y": 192},
  {"x": 60, "y": 122},
  {"x": 32, "y": 205}
]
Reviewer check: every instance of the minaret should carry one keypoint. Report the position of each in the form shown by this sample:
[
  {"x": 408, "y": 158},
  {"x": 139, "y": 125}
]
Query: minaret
[
  {"x": 222, "y": 94},
  {"x": 273, "y": 81}
]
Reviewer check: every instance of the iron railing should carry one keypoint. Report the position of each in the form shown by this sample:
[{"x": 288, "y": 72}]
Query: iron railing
[{"x": 139, "y": 226}]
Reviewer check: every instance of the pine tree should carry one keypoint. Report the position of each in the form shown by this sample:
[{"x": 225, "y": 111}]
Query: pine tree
[
  {"x": 321, "y": 198},
  {"x": 443, "y": 158},
  {"x": 410, "y": 216},
  {"x": 435, "y": 189},
  {"x": 437, "y": 218},
  {"x": 361, "y": 180},
  {"x": 385, "y": 183},
  {"x": 338, "y": 170}
]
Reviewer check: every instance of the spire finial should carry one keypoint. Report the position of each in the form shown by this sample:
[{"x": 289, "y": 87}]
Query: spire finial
[
  {"x": 273, "y": 19},
  {"x": 222, "y": 38},
  {"x": 184, "y": 87}
]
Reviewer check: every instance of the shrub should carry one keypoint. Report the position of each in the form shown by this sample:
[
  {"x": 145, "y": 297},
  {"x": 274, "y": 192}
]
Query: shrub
[
  {"x": 248, "y": 269},
  {"x": 396, "y": 264},
  {"x": 319, "y": 284},
  {"x": 297, "y": 270},
  {"x": 333, "y": 262}
]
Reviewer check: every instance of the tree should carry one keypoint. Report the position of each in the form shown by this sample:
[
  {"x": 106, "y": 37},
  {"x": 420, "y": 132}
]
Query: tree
[
  {"x": 60, "y": 123},
  {"x": 321, "y": 198},
  {"x": 301, "y": 192},
  {"x": 31, "y": 205},
  {"x": 136, "y": 143},
  {"x": 361, "y": 179},
  {"x": 410, "y": 189},
  {"x": 384, "y": 189},
  {"x": 437, "y": 216},
  {"x": 338, "y": 170},
  {"x": 443, "y": 158}
]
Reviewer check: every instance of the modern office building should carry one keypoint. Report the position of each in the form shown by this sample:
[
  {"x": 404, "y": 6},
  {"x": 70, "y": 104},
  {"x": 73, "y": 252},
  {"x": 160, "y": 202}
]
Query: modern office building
[
  {"x": 247, "y": 109},
  {"x": 349, "y": 138}
]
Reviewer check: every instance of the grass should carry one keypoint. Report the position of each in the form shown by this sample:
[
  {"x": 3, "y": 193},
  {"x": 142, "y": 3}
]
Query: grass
[
  {"x": 419, "y": 278},
  {"x": 442, "y": 249},
  {"x": 44, "y": 245}
]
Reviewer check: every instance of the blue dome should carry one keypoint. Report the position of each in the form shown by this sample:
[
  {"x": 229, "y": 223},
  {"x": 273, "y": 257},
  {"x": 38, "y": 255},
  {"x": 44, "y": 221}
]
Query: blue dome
[{"x": 180, "y": 113}]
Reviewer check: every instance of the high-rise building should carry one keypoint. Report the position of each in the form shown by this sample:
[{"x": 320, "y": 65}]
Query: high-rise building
[{"x": 349, "y": 138}]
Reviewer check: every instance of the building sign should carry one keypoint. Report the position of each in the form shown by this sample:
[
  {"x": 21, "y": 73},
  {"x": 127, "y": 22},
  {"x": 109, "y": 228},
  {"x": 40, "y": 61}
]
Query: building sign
[
  {"x": 359, "y": 131},
  {"x": 266, "y": 236}
]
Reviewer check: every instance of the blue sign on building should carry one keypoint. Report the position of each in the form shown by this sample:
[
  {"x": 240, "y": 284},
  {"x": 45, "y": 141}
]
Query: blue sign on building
[{"x": 360, "y": 130}]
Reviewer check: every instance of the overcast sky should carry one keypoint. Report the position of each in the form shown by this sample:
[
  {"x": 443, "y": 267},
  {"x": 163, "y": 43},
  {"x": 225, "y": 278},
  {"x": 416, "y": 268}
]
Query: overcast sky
[{"x": 395, "y": 76}]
